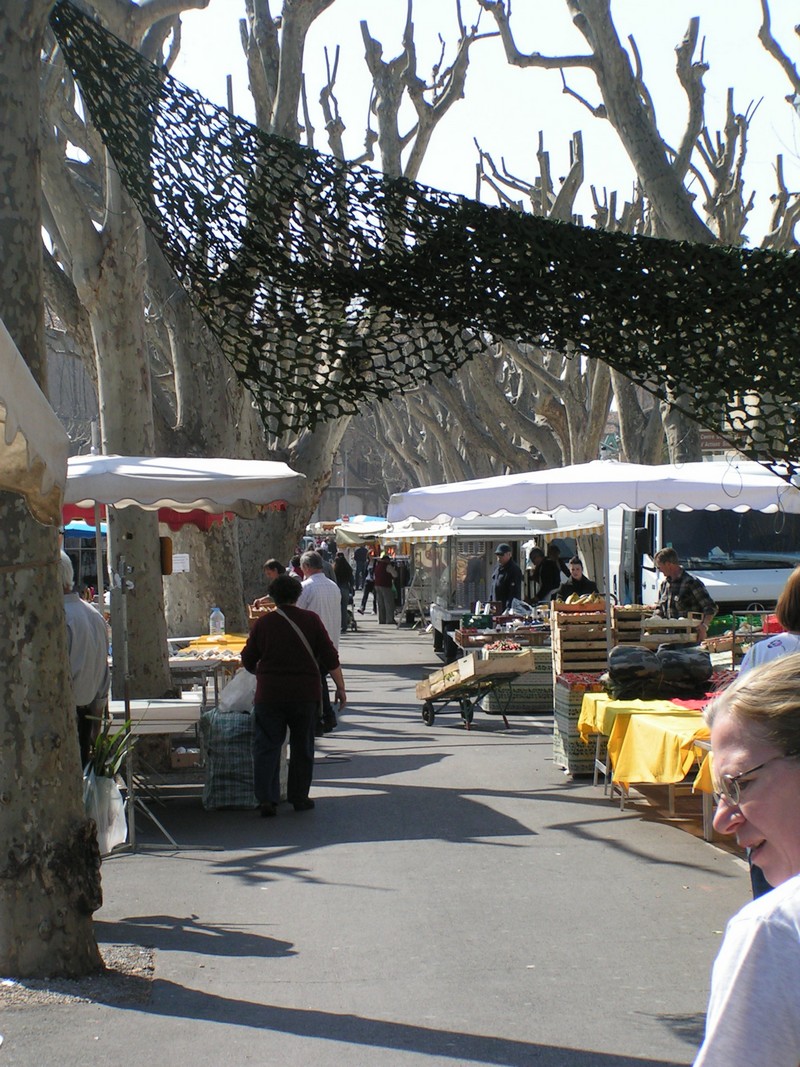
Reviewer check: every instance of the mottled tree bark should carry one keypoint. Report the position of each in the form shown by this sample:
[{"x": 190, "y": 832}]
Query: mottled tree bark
[{"x": 49, "y": 860}]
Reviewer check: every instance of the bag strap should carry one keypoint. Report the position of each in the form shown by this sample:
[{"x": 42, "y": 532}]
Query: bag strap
[{"x": 299, "y": 633}]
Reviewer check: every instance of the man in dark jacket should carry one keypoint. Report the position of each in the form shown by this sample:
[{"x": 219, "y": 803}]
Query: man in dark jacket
[{"x": 506, "y": 578}]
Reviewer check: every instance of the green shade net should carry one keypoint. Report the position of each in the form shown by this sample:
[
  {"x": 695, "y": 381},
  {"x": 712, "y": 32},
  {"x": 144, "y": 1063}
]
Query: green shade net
[{"x": 328, "y": 285}]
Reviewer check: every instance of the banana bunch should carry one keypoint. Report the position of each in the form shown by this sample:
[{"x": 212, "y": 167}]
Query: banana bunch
[{"x": 587, "y": 598}]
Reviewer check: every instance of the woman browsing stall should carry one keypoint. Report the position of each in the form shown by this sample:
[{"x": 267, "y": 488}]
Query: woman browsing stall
[
  {"x": 754, "y": 1007},
  {"x": 286, "y": 650}
]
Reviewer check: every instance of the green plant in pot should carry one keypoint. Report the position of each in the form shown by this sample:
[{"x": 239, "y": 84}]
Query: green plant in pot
[{"x": 110, "y": 749}]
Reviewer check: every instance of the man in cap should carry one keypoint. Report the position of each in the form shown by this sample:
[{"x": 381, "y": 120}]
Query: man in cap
[{"x": 506, "y": 578}]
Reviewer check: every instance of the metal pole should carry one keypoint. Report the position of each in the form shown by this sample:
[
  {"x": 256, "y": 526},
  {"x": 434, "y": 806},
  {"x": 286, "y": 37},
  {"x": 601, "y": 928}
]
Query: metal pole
[
  {"x": 98, "y": 536},
  {"x": 607, "y": 569}
]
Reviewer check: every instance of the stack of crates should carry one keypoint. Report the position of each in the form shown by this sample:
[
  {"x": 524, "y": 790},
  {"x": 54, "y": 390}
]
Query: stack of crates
[
  {"x": 529, "y": 694},
  {"x": 570, "y": 751},
  {"x": 579, "y": 641}
]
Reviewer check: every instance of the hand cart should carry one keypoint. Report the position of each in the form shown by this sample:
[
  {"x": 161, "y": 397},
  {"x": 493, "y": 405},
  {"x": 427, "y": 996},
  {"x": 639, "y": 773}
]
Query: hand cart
[{"x": 468, "y": 681}]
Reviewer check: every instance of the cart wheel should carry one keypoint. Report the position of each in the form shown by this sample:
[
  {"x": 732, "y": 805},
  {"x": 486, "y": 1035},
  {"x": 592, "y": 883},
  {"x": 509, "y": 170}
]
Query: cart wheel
[
  {"x": 467, "y": 710},
  {"x": 428, "y": 713}
]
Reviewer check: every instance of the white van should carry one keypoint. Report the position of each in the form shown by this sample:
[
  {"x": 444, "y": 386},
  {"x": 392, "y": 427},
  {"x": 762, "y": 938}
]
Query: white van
[{"x": 742, "y": 557}]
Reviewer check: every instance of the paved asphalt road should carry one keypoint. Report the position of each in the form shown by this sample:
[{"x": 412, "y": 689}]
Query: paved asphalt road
[{"x": 453, "y": 899}]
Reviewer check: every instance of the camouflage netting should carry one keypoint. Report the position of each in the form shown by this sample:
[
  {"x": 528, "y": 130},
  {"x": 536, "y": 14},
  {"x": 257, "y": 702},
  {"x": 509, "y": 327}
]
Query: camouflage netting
[{"x": 327, "y": 284}]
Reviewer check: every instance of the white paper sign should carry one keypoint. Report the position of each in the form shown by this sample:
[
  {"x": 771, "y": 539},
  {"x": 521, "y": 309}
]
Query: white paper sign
[{"x": 180, "y": 562}]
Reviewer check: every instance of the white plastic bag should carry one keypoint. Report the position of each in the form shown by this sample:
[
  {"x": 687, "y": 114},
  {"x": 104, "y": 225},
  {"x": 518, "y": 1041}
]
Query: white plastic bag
[
  {"x": 239, "y": 693},
  {"x": 519, "y": 607},
  {"x": 103, "y": 802}
]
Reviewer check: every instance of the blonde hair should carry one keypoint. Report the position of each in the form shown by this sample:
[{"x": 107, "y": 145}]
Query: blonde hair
[
  {"x": 767, "y": 700},
  {"x": 787, "y": 610}
]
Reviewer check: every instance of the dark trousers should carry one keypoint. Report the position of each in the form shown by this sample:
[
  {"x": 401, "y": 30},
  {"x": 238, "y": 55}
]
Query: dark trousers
[
  {"x": 271, "y": 722},
  {"x": 369, "y": 587},
  {"x": 86, "y": 730}
]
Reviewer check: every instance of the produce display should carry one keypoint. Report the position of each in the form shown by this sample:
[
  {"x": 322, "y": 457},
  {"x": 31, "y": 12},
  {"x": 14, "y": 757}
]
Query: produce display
[
  {"x": 574, "y": 598},
  {"x": 504, "y": 645}
]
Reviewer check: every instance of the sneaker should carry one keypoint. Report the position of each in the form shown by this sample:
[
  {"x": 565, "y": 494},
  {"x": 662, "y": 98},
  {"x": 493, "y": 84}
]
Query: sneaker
[
  {"x": 360, "y": 611},
  {"x": 303, "y": 805}
]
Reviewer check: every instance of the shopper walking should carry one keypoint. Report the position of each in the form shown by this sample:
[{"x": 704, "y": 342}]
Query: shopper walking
[
  {"x": 286, "y": 650},
  {"x": 384, "y": 576}
]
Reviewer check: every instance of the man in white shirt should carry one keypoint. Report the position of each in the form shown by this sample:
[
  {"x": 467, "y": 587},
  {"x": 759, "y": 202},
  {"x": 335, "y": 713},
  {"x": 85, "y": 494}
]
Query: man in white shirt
[
  {"x": 322, "y": 596},
  {"x": 87, "y": 643}
]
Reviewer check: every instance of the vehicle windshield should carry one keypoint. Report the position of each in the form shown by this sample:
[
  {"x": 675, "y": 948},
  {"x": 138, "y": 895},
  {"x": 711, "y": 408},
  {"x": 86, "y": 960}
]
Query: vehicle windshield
[{"x": 732, "y": 540}]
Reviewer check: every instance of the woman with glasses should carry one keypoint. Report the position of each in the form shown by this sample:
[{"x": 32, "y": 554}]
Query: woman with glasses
[{"x": 754, "y": 1007}]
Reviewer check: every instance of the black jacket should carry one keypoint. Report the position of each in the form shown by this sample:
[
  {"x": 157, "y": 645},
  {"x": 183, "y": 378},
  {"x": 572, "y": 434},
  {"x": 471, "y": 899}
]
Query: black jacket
[
  {"x": 506, "y": 583},
  {"x": 583, "y": 586}
]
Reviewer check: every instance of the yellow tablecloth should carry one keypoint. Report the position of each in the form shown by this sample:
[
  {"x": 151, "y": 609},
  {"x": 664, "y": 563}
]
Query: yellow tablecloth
[
  {"x": 599, "y": 712},
  {"x": 655, "y": 748},
  {"x": 217, "y": 643}
]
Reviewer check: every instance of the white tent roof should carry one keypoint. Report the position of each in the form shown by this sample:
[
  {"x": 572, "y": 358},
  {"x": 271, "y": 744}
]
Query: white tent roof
[
  {"x": 737, "y": 485},
  {"x": 212, "y": 485},
  {"x": 472, "y": 525},
  {"x": 33, "y": 443}
]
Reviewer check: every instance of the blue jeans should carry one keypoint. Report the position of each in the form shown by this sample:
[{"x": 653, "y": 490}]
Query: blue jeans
[{"x": 272, "y": 719}]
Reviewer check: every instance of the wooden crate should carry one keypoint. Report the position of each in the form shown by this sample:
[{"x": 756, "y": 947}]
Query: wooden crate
[
  {"x": 627, "y": 623},
  {"x": 657, "y": 631},
  {"x": 579, "y": 641},
  {"x": 570, "y": 751},
  {"x": 472, "y": 669},
  {"x": 526, "y": 637}
]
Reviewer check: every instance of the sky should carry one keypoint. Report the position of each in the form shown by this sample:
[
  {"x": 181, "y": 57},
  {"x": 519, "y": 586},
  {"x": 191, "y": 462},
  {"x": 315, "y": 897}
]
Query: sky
[{"x": 505, "y": 108}]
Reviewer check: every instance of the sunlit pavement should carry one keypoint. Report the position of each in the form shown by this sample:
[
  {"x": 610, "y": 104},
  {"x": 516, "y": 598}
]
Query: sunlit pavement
[{"x": 454, "y": 898}]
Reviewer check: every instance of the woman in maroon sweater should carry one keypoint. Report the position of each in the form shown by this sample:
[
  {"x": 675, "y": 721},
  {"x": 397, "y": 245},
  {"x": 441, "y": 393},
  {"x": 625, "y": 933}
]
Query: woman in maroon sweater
[{"x": 288, "y": 693}]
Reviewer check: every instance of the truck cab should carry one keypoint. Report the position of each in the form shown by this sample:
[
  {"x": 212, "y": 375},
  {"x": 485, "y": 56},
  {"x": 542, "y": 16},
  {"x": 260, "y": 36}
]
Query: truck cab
[{"x": 742, "y": 557}]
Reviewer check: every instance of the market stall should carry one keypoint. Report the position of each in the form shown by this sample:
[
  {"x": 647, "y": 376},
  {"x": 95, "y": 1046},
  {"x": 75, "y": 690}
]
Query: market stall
[
  {"x": 33, "y": 443},
  {"x": 583, "y": 643},
  {"x": 211, "y": 485}
]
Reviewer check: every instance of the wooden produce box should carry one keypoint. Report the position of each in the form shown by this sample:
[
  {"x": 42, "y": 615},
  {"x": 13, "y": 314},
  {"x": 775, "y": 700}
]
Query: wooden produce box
[
  {"x": 657, "y": 631},
  {"x": 579, "y": 641},
  {"x": 524, "y": 636},
  {"x": 627, "y": 622},
  {"x": 472, "y": 669}
]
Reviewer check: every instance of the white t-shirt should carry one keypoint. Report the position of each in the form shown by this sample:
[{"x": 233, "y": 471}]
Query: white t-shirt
[
  {"x": 772, "y": 648},
  {"x": 322, "y": 595},
  {"x": 754, "y": 1008},
  {"x": 87, "y": 643}
]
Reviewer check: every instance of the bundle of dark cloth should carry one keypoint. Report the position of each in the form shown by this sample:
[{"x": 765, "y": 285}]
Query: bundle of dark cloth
[{"x": 638, "y": 673}]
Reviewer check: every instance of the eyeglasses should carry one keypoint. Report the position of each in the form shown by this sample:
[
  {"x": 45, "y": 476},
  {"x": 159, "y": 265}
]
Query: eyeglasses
[{"x": 731, "y": 786}]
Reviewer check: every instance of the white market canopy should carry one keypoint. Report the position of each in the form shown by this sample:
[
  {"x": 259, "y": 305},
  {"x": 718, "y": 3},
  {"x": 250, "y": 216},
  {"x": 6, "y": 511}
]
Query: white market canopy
[
  {"x": 477, "y": 526},
  {"x": 184, "y": 484},
  {"x": 736, "y": 485},
  {"x": 360, "y": 530},
  {"x": 33, "y": 443}
]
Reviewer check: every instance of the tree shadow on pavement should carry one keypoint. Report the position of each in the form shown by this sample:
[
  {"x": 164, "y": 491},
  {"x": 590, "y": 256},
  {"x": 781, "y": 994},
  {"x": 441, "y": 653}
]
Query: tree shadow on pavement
[
  {"x": 171, "y": 933},
  {"x": 172, "y": 1000}
]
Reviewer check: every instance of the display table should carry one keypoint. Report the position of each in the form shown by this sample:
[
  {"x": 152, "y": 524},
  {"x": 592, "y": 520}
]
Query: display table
[
  {"x": 178, "y": 716},
  {"x": 444, "y": 622},
  {"x": 653, "y": 742},
  {"x": 188, "y": 670},
  {"x": 219, "y": 646},
  {"x": 655, "y": 747},
  {"x": 172, "y": 717}
]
